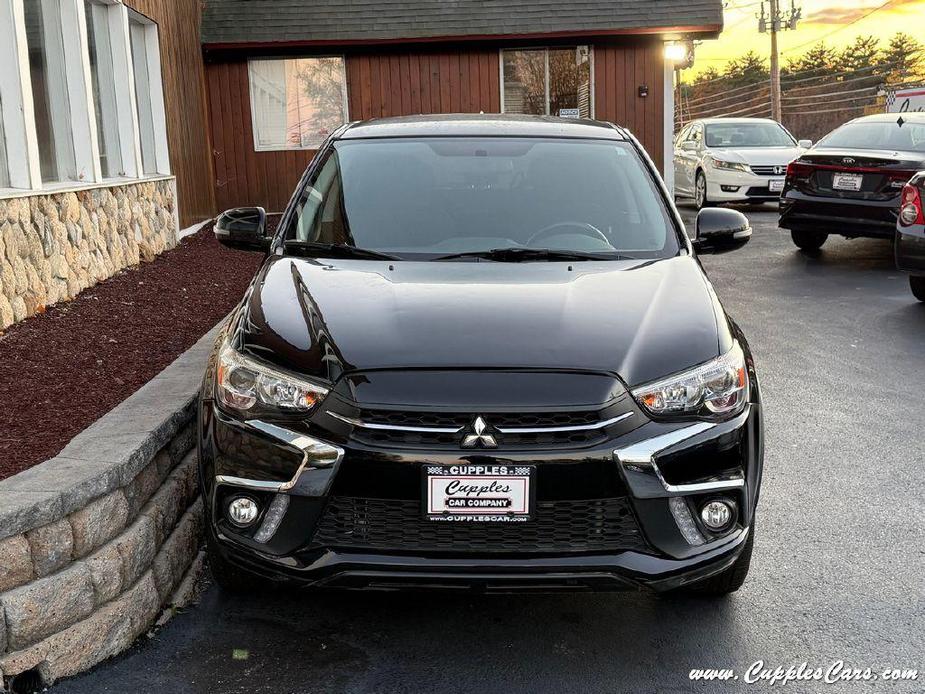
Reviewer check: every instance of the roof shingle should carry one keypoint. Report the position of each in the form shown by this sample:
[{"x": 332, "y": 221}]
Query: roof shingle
[{"x": 330, "y": 21}]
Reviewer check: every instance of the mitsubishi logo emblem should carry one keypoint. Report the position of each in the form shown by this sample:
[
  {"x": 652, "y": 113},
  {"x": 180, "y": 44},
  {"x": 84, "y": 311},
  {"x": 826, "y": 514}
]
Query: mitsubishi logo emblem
[{"x": 479, "y": 436}]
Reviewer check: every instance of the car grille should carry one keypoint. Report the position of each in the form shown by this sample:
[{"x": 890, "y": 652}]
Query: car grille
[
  {"x": 416, "y": 429},
  {"x": 761, "y": 192},
  {"x": 391, "y": 525},
  {"x": 768, "y": 170},
  {"x": 501, "y": 419}
]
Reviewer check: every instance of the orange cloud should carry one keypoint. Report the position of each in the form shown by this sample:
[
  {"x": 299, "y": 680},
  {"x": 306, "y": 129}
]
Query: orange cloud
[{"x": 846, "y": 15}]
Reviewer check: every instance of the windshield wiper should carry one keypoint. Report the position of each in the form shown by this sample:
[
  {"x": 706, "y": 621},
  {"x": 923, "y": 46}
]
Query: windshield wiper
[
  {"x": 313, "y": 249},
  {"x": 517, "y": 254}
]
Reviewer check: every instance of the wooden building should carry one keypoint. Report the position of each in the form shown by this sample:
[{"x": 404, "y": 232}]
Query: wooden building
[{"x": 280, "y": 75}]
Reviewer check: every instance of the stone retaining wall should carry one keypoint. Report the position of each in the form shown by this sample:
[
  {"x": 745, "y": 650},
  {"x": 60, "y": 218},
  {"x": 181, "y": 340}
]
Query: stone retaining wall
[
  {"x": 53, "y": 246},
  {"x": 94, "y": 541}
]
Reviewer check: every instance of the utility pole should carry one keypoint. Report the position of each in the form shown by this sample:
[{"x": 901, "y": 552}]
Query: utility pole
[
  {"x": 773, "y": 23},
  {"x": 775, "y": 62}
]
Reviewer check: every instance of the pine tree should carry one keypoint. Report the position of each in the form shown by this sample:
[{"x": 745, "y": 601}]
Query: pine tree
[
  {"x": 861, "y": 56},
  {"x": 903, "y": 60},
  {"x": 749, "y": 68}
]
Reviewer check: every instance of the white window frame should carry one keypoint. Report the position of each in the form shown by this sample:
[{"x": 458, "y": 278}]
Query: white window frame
[
  {"x": 17, "y": 105},
  {"x": 250, "y": 87},
  {"x": 156, "y": 94},
  {"x": 16, "y": 89},
  {"x": 546, "y": 50},
  {"x": 124, "y": 86}
]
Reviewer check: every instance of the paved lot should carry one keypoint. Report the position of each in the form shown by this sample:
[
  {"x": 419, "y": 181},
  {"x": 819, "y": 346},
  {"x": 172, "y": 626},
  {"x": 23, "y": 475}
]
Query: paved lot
[{"x": 838, "y": 572}]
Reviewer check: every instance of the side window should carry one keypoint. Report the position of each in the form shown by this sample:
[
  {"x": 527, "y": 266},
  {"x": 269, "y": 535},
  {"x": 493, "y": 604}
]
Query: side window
[
  {"x": 696, "y": 134},
  {"x": 321, "y": 216}
]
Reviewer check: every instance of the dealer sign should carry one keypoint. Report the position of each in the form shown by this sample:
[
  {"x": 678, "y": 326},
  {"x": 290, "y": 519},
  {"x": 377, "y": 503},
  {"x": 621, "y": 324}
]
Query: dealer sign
[{"x": 906, "y": 100}]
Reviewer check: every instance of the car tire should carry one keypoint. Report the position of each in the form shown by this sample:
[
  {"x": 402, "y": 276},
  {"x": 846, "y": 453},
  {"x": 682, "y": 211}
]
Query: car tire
[
  {"x": 701, "y": 198},
  {"x": 230, "y": 578},
  {"x": 809, "y": 241},
  {"x": 728, "y": 580},
  {"x": 917, "y": 285}
]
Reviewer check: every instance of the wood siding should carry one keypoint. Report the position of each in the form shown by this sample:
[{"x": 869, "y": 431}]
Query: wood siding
[
  {"x": 619, "y": 71},
  {"x": 463, "y": 80},
  {"x": 185, "y": 103}
]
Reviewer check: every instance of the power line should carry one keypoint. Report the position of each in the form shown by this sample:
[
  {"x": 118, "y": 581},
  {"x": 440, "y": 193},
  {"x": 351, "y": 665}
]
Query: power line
[
  {"x": 841, "y": 28},
  {"x": 788, "y": 77}
]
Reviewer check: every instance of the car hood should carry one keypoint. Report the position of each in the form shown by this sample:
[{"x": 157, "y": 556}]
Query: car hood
[
  {"x": 640, "y": 320},
  {"x": 757, "y": 156}
]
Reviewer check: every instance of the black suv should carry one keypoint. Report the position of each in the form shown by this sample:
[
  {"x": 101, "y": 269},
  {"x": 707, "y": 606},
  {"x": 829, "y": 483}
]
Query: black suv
[{"x": 481, "y": 353}]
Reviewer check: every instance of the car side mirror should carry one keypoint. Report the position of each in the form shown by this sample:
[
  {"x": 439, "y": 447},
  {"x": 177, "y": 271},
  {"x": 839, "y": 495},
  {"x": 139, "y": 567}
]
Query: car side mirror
[
  {"x": 721, "y": 230},
  {"x": 243, "y": 228},
  {"x": 805, "y": 144},
  {"x": 688, "y": 146}
]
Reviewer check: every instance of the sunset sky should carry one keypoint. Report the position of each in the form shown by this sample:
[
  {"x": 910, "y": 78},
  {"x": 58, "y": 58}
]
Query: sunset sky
[{"x": 837, "y": 22}]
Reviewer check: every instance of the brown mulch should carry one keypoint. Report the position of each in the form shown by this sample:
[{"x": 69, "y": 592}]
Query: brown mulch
[{"x": 62, "y": 370}]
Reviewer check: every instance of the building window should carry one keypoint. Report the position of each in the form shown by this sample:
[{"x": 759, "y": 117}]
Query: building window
[
  {"x": 548, "y": 81},
  {"x": 296, "y": 103},
  {"x": 80, "y": 94},
  {"x": 139, "y": 37},
  {"x": 47, "y": 65},
  {"x": 100, "y": 44}
]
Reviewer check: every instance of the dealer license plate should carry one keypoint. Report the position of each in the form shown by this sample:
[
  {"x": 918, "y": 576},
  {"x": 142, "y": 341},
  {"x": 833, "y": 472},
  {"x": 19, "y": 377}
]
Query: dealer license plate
[
  {"x": 776, "y": 186},
  {"x": 842, "y": 181},
  {"x": 479, "y": 493}
]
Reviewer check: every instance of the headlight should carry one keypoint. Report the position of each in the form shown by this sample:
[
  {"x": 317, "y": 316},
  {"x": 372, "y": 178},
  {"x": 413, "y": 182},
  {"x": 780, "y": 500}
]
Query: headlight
[
  {"x": 728, "y": 165},
  {"x": 719, "y": 387},
  {"x": 251, "y": 387}
]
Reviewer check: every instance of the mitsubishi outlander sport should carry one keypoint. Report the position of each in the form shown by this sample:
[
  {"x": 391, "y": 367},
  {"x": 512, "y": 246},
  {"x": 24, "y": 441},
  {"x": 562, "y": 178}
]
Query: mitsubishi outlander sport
[{"x": 481, "y": 353}]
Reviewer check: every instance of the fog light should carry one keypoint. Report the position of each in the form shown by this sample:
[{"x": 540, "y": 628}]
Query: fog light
[
  {"x": 730, "y": 189},
  {"x": 718, "y": 514},
  {"x": 242, "y": 511}
]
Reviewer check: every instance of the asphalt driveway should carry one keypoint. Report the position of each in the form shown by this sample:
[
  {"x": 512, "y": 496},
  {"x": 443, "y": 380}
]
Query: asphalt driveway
[{"x": 838, "y": 571}]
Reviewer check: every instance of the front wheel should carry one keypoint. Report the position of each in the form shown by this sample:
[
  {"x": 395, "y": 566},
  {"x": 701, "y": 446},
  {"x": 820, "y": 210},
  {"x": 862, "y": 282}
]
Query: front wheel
[
  {"x": 701, "y": 199},
  {"x": 807, "y": 240},
  {"x": 917, "y": 285}
]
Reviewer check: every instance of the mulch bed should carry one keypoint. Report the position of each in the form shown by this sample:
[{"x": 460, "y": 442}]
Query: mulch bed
[{"x": 62, "y": 370}]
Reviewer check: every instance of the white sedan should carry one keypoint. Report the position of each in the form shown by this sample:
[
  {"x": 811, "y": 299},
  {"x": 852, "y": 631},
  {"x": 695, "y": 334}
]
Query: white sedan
[{"x": 733, "y": 160}]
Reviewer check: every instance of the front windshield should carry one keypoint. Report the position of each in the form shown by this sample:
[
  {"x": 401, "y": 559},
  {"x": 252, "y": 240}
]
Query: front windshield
[
  {"x": 430, "y": 197},
  {"x": 748, "y": 135},
  {"x": 888, "y": 135}
]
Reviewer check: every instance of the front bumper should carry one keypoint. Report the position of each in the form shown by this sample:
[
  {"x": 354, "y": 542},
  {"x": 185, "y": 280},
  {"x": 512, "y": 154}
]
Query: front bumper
[
  {"x": 650, "y": 465},
  {"x": 739, "y": 186},
  {"x": 844, "y": 216}
]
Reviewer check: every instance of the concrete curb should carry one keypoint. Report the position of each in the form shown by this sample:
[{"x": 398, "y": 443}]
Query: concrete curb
[{"x": 94, "y": 541}]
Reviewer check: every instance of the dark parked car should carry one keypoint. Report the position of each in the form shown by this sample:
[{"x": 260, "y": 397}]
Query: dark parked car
[
  {"x": 481, "y": 353},
  {"x": 910, "y": 234},
  {"x": 850, "y": 182}
]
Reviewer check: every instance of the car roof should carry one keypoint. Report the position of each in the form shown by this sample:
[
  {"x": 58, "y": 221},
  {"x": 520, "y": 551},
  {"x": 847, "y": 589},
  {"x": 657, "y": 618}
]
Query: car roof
[
  {"x": 736, "y": 120},
  {"x": 482, "y": 124},
  {"x": 911, "y": 116}
]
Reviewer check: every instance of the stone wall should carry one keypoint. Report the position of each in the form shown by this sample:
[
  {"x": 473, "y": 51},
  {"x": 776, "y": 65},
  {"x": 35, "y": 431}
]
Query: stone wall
[
  {"x": 94, "y": 542},
  {"x": 53, "y": 246}
]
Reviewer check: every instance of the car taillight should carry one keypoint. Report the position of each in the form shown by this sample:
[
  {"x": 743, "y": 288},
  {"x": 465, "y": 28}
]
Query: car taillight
[
  {"x": 910, "y": 208},
  {"x": 796, "y": 169}
]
